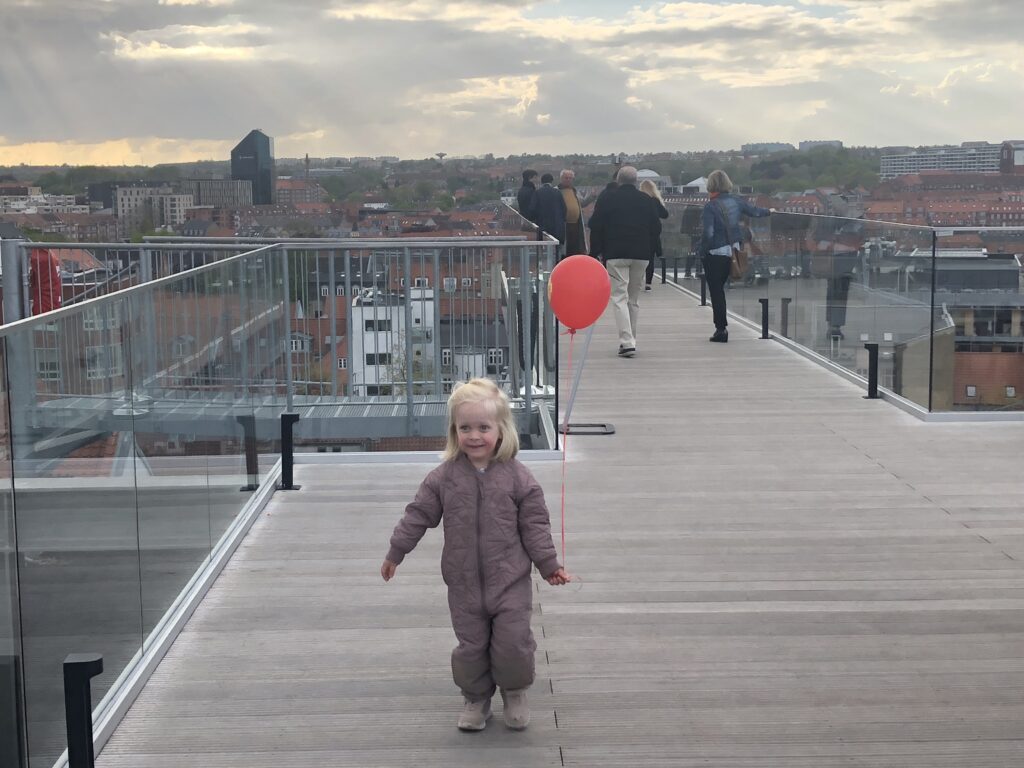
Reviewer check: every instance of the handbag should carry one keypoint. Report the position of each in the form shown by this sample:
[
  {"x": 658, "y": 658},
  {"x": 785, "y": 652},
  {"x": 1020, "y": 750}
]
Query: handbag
[{"x": 740, "y": 261}]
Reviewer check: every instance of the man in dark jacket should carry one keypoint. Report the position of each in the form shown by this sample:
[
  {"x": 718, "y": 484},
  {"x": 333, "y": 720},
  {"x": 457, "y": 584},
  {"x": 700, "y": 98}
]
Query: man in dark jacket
[
  {"x": 549, "y": 207},
  {"x": 623, "y": 228},
  {"x": 526, "y": 197}
]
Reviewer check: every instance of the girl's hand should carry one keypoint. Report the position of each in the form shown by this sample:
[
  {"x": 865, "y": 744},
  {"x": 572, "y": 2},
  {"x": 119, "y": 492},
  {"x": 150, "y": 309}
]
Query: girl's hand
[
  {"x": 388, "y": 570},
  {"x": 559, "y": 577}
]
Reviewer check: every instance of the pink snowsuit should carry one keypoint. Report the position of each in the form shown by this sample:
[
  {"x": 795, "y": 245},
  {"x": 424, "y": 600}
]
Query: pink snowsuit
[{"x": 495, "y": 524}]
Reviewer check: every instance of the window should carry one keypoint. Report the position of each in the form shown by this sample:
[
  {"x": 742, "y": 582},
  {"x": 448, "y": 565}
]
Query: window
[
  {"x": 1011, "y": 391},
  {"x": 421, "y": 282},
  {"x": 373, "y": 390},
  {"x": 339, "y": 290},
  {"x": 972, "y": 391},
  {"x": 300, "y": 345},
  {"x": 181, "y": 347},
  {"x": 102, "y": 362},
  {"x": 382, "y": 358},
  {"x": 380, "y": 326},
  {"x": 467, "y": 282},
  {"x": 47, "y": 365},
  {"x": 450, "y": 284},
  {"x": 98, "y": 318},
  {"x": 342, "y": 363},
  {"x": 401, "y": 282},
  {"x": 495, "y": 356},
  {"x": 325, "y": 290},
  {"x": 446, "y": 357}
]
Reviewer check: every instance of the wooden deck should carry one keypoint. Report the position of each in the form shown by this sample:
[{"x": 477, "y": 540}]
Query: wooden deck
[{"x": 776, "y": 573}]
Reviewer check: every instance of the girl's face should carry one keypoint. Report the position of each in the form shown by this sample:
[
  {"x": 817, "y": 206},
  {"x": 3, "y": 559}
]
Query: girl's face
[{"x": 478, "y": 432}]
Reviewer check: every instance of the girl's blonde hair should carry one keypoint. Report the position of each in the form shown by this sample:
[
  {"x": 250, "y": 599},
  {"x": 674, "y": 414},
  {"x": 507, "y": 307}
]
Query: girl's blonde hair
[
  {"x": 719, "y": 181},
  {"x": 483, "y": 391},
  {"x": 650, "y": 188}
]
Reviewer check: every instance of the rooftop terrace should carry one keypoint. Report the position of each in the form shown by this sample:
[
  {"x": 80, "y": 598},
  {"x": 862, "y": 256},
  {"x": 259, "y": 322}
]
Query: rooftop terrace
[{"x": 775, "y": 572}]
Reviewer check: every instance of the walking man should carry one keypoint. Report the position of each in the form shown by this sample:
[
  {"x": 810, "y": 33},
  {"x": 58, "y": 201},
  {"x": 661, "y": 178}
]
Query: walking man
[{"x": 623, "y": 228}]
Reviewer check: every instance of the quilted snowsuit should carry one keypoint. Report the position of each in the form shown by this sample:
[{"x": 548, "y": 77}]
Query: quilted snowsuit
[{"x": 495, "y": 524}]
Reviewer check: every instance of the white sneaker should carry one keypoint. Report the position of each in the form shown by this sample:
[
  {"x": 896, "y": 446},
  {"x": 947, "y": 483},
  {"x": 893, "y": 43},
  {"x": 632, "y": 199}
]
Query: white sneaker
[
  {"x": 516, "y": 709},
  {"x": 475, "y": 715}
]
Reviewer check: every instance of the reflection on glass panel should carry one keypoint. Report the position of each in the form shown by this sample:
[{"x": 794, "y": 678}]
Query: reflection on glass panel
[
  {"x": 187, "y": 398},
  {"x": 12, "y": 743},
  {"x": 978, "y": 291},
  {"x": 77, "y": 529}
]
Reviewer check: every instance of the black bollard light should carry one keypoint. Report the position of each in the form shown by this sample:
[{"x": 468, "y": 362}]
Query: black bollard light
[
  {"x": 288, "y": 421},
  {"x": 79, "y": 669},
  {"x": 703, "y": 289},
  {"x": 764, "y": 318},
  {"x": 872, "y": 371}
]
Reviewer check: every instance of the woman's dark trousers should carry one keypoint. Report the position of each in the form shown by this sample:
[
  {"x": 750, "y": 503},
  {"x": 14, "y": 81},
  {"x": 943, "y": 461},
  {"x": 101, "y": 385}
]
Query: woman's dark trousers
[{"x": 716, "y": 272}]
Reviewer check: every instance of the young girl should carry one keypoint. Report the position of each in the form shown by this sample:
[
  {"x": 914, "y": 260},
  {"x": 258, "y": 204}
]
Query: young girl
[{"x": 495, "y": 525}]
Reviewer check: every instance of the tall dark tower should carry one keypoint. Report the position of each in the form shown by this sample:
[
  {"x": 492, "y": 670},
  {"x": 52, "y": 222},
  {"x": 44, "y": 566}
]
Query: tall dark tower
[{"x": 253, "y": 160}]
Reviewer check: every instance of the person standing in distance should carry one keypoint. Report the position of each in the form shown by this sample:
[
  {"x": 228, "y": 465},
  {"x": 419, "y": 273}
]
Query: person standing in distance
[
  {"x": 549, "y": 207},
  {"x": 720, "y": 233},
  {"x": 650, "y": 189},
  {"x": 575, "y": 234},
  {"x": 526, "y": 196}
]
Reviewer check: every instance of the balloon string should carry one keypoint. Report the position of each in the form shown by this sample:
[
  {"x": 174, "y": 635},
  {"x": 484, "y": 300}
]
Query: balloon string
[{"x": 565, "y": 439}]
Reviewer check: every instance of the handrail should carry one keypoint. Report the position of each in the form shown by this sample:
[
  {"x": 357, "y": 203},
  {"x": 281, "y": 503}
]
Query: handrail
[{"x": 56, "y": 314}]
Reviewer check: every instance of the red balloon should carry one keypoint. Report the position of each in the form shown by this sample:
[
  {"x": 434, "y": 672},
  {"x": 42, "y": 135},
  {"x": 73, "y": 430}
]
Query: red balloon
[{"x": 579, "y": 289}]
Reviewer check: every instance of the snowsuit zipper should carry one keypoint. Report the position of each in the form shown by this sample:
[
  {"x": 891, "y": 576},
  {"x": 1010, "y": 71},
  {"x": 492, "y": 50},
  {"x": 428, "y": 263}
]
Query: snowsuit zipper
[{"x": 479, "y": 543}]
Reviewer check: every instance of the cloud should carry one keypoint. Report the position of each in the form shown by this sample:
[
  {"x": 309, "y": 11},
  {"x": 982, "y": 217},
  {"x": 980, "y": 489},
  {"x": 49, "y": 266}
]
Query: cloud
[{"x": 411, "y": 77}]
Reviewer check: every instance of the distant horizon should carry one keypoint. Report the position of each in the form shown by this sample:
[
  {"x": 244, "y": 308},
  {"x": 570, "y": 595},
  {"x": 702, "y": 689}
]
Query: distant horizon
[{"x": 450, "y": 157}]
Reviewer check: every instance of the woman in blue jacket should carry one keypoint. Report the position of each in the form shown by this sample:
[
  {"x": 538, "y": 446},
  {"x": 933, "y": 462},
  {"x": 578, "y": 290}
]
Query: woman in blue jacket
[{"x": 720, "y": 232}]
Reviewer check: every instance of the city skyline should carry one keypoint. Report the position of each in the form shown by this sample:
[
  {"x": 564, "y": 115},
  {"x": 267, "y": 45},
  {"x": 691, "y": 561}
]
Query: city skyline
[{"x": 128, "y": 82}]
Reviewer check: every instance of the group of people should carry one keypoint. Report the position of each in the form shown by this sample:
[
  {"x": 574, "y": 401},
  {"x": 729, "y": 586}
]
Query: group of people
[
  {"x": 625, "y": 233},
  {"x": 555, "y": 210}
]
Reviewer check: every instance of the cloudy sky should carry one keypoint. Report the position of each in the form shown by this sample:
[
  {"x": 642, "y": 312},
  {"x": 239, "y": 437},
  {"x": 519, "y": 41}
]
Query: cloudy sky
[{"x": 148, "y": 81}]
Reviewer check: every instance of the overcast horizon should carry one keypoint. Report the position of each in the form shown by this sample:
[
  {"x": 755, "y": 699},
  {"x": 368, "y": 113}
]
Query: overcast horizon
[{"x": 126, "y": 82}]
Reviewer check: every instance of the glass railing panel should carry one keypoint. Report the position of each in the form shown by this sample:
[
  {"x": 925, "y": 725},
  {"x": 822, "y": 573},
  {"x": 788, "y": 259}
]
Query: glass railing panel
[
  {"x": 379, "y": 335},
  {"x": 77, "y": 526},
  {"x": 190, "y": 413},
  {"x": 978, "y": 293},
  {"x": 12, "y": 746}
]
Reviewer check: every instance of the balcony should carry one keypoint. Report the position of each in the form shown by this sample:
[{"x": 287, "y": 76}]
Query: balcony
[
  {"x": 771, "y": 565},
  {"x": 775, "y": 571}
]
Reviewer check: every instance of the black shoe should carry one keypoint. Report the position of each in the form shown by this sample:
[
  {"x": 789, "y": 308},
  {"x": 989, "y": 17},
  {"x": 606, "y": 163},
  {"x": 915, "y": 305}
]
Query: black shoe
[
  {"x": 627, "y": 351},
  {"x": 721, "y": 335},
  {"x": 647, "y": 287}
]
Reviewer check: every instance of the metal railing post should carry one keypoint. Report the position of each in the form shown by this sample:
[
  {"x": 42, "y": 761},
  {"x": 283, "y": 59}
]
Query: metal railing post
[
  {"x": 764, "y": 318},
  {"x": 289, "y": 374},
  {"x": 872, "y": 349},
  {"x": 526, "y": 292},
  {"x": 786, "y": 301},
  {"x": 79, "y": 669},
  {"x": 703, "y": 289},
  {"x": 288, "y": 421},
  {"x": 411, "y": 426},
  {"x": 664, "y": 269}
]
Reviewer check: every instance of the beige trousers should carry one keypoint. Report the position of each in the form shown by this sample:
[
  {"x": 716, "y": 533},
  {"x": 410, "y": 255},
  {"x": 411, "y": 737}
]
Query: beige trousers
[{"x": 627, "y": 277}]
